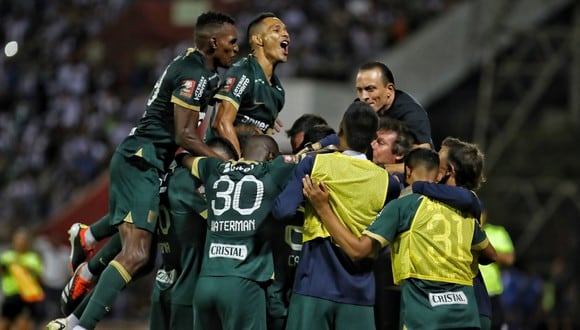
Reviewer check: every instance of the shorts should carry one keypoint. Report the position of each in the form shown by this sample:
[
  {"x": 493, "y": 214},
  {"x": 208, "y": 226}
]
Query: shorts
[
  {"x": 134, "y": 192},
  {"x": 167, "y": 316},
  {"x": 229, "y": 303},
  {"x": 435, "y": 305},
  {"x": 277, "y": 299},
  {"x": 307, "y": 312},
  {"x": 14, "y": 306}
]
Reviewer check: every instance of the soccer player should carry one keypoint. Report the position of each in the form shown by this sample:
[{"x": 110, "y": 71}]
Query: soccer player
[
  {"x": 375, "y": 85},
  {"x": 435, "y": 270},
  {"x": 180, "y": 240},
  {"x": 252, "y": 96},
  {"x": 184, "y": 89},
  {"x": 180, "y": 243},
  {"x": 330, "y": 291},
  {"x": 237, "y": 263}
]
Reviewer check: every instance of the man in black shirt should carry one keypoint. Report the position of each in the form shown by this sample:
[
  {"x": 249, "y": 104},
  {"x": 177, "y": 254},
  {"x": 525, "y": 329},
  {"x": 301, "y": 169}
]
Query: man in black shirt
[{"x": 375, "y": 85}]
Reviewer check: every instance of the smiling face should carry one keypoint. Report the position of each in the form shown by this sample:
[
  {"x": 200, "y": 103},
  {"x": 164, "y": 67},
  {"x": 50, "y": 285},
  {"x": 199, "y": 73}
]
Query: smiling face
[
  {"x": 373, "y": 89},
  {"x": 275, "y": 40},
  {"x": 226, "y": 46}
]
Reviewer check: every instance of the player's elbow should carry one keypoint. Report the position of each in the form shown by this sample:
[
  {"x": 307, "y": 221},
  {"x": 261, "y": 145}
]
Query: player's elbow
[
  {"x": 356, "y": 255},
  {"x": 280, "y": 213},
  {"x": 488, "y": 255},
  {"x": 183, "y": 137},
  {"x": 359, "y": 250}
]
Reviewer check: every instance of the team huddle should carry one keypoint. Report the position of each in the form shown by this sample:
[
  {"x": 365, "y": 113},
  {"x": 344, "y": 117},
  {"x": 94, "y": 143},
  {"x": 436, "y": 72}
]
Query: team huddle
[{"x": 250, "y": 238}]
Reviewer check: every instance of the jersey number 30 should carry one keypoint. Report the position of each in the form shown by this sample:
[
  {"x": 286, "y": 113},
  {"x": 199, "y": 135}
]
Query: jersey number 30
[{"x": 229, "y": 198}]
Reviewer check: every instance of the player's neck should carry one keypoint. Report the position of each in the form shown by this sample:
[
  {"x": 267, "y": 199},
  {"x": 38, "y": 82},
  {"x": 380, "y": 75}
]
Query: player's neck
[{"x": 266, "y": 65}]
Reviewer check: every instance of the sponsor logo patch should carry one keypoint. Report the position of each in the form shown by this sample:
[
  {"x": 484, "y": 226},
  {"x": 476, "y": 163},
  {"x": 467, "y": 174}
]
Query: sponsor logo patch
[
  {"x": 187, "y": 87},
  {"x": 229, "y": 84},
  {"x": 241, "y": 86},
  {"x": 448, "y": 298},
  {"x": 200, "y": 88},
  {"x": 166, "y": 277},
  {"x": 290, "y": 159},
  {"x": 239, "y": 252}
]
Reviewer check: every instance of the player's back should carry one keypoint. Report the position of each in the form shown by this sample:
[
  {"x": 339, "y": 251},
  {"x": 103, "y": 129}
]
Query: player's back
[
  {"x": 240, "y": 195},
  {"x": 358, "y": 191},
  {"x": 435, "y": 244}
]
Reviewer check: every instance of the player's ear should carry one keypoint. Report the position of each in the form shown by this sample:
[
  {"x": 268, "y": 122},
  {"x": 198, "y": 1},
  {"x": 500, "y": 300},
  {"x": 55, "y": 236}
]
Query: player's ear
[
  {"x": 213, "y": 43},
  {"x": 257, "y": 40}
]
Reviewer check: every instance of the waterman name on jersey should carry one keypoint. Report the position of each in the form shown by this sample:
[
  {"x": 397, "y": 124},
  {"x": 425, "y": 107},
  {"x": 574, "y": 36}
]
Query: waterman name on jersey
[{"x": 233, "y": 225}]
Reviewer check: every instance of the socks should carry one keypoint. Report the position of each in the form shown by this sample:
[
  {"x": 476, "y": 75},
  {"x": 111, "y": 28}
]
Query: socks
[
  {"x": 104, "y": 255},
  {"x": 79, "y": 310},
  {"x": 100, "y": 230},
  {"x": 86, "y": 273},
  {"x": 89, "y": 238},
  {"x": 113, "y": 280},
  {"x": 72, "y": 321}
]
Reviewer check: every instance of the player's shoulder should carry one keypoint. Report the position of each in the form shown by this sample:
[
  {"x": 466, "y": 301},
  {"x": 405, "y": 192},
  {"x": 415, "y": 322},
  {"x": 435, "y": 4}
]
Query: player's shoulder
[
  {"x": 242, "y": 65},
  {"x": 409, "y": 198},
  {"x": 406, "y": 101}
]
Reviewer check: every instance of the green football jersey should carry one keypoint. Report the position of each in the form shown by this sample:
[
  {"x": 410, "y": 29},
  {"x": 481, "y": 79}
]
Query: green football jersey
[
  {"x": 186, "y": 82},
  {"x": 180, "y": 236},
  {"x": 257, "y": 100},
  {"x": 240, "y": 195}
]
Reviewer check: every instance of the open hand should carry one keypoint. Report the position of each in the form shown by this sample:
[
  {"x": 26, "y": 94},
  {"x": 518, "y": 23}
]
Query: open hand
[{"x": 316, "y": 192}]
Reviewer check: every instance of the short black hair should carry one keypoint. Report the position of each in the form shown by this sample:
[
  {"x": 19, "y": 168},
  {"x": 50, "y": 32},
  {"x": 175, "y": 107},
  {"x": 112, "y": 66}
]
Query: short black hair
[
  {"x": 427, "y": 158},
  {"x": 257, "y": 21},
  {"x": 223, "y": 144},
  {"x": 258, "y": 147},
  {"x": 387, "y": 74},
  {"x": 360, "y": 123},
  {"x": 315, "y": 134},
  {"x": 304, "y": 122},
  {"x": 213, "y": 18}
]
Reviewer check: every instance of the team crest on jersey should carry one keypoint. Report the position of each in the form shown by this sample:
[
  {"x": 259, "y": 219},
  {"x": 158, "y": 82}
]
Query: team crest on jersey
[
  {"x": 291, "y": 159},
  {"x": 229, "y": 84},
  {"x": 187, "y": 88}
]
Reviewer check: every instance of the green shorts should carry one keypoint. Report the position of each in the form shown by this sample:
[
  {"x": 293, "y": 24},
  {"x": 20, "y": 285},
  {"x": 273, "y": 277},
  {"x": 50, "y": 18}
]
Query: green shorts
[
  {"x": 134, "y": 192},
  {"x": 277, "y": 299},
  {"x": 167, "y": 316},
  {"x": 307, "y": 312},
  {"x": 435, "y": 305},
  {"x": 229, "y": 303}
]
